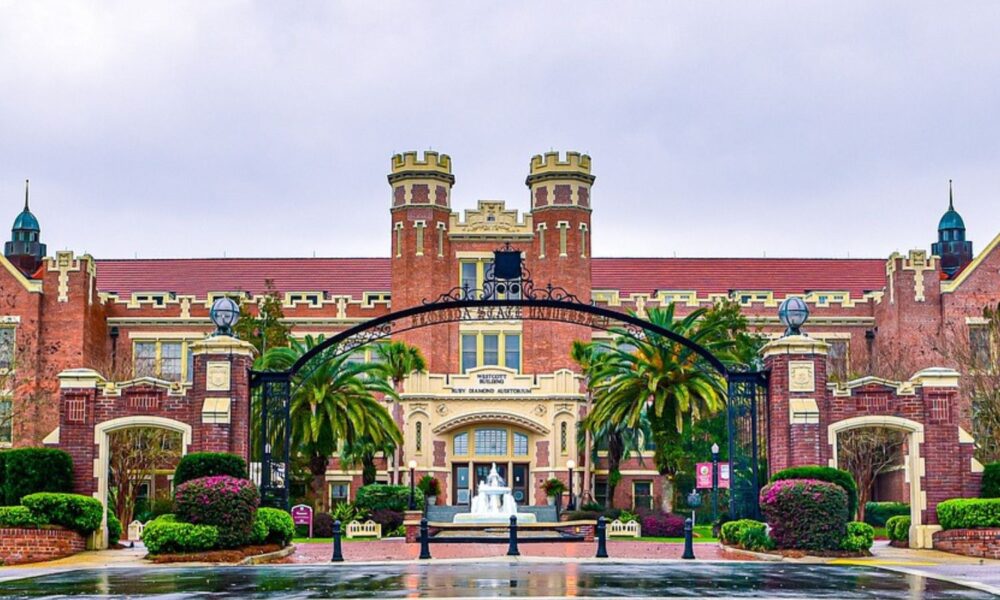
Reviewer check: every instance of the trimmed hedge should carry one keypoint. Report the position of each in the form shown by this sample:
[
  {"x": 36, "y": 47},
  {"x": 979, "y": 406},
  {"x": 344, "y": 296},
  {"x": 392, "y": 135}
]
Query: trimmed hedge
[
  {"x": 273, "y": 526},
  {"x": 748, "y": 534},
  {"x": 209, "y": 464},
  {"x": 969, "y": 513},
  {"x": 991, "y": 481},
  {"x": 805, "y": 514},
  {"x": 898, "y": 528},
  {"x": 379, "y": 496},
  {"x": 877, "y": 513},
  {"x": 32, "y": 470},
  {"x": 18, "y": 516},
  {"x": 860, "y": 536},
  {"x": 662, "y": 525},
  {"x": 388, "y": 519},
  {"x": 165, "y": 535},
  {"x": 114, "y": 528},
  {"x": 837, "y": 476},
  {"x": 226, "y": 502},
  {"x": 82, "y": 514}
]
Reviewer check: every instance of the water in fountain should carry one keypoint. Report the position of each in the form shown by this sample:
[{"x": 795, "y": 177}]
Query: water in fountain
[{"x": 493, "y": 503}]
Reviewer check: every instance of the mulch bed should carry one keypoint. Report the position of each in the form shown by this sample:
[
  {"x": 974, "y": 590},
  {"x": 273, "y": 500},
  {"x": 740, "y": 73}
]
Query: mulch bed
[{"x": 233, "y": 555}]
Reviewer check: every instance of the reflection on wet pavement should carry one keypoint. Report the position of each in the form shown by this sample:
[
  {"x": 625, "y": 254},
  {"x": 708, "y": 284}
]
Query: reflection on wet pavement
[{"x": 497, "y": 579}]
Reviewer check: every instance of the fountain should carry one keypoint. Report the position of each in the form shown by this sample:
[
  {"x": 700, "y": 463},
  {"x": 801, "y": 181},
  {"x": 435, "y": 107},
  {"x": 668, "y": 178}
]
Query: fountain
[{"x": 493, "y": 503}]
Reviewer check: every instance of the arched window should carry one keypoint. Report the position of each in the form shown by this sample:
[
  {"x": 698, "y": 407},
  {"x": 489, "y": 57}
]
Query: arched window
[
  {"x": 564, "y": 438},
  {"x": 418, "y": 432}
]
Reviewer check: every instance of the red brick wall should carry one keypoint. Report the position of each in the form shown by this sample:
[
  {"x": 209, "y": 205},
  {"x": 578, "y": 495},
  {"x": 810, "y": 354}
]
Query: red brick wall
[
  {"x": 19, "y": 546},
  {"x": 981, "y": 543}
]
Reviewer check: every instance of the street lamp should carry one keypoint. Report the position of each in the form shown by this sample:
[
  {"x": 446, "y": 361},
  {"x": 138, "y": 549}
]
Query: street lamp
[
  {"x": 793, "y": 313},
  {"x": 570, "y": 465},
  {"x": 715, "y": 482},
  {"x": 224, "y": 314},
  {"x": 413, "y": 498}
]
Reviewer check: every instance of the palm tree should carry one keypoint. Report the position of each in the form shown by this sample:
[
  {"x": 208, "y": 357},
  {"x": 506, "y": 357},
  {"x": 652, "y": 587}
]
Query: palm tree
[
  {"x": 398, "y": 360},
  {"x": 649, "y": 375},
  {"x": 362, "y": 452},
  {"x": 333, "y": 403}
]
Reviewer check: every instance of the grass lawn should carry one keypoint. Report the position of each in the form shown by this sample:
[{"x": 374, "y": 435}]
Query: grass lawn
[
  {"x": 880, "y": 533},
  {"x": 702, "y": 535}
]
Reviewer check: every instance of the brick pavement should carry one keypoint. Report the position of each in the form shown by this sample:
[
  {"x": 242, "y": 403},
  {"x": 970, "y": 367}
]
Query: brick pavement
[{"x": 400, "y": 550}]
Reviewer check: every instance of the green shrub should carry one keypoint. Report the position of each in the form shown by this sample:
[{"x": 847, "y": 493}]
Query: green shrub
[
  {"x": 167, "y": 536},
  {"x": 991, "y": 481},
  {"x": 18, "y": 516},
  {"x": 860, "y": 536},
  {"x": 32, "y": 470},
  {"x": 898, "y": 528},
  {"x": 837, "y": 476},
  {"x": 627, "y": 517},
  {"x": 226, "y": 502},
  {"x": 429, "y": 486},
  {"x": 209, "y": 464},
  {"x": 378, "y": 496},
  {"x": 748, "y": 534},
  {"x": 345, "y": 512},
  {"x": 554, "y": 487},
  {"x": 805, "y": 514},
  {"x": 82, "y": 514},
  {"x": 969, "y": 513},
  {"x": 114, "y": 529},
  {"x": 273, "y": 526},
  {"x": 3, "y": 470},
  {"x": 877, "y": 513}
]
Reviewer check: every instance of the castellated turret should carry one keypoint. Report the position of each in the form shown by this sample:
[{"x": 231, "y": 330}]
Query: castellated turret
[
  {"x": 561, "y": 248},
  {"x": 421, "y": 182}
]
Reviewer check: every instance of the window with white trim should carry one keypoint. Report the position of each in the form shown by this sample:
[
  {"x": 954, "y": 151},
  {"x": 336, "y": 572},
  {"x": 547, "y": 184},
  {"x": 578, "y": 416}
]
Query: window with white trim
[
  {"x": 6, "y": 421},
  {"x": 170, "y": 360},
  {"x": 490, "y": 349},
  {"x": 7, "y": 345}
]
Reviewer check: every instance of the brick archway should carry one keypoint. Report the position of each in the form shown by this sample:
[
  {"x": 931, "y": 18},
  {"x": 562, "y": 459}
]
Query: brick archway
[
  {"x": 805, "y": 413},
  {"x": 102, "y": 433},
  {"x": 914, "y": 462}
]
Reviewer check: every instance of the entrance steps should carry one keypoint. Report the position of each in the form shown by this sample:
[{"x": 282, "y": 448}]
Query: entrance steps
[{"x": 446, "y": 514}]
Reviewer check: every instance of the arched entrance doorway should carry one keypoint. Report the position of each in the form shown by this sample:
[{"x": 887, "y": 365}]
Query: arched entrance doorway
[
  {"x": 912, "y": 461},
  {"x": 507, "y": 294}
]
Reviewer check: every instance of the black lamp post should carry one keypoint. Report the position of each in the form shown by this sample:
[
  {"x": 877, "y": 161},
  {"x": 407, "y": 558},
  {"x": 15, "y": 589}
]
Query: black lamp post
[
  {"x": 413, "y": 498},
  {"x": 793, "y": 313},
  {"x": 224, "y": 314},
  {"x": 715, "y": 482},
  {"x": 570, "y": 465}
]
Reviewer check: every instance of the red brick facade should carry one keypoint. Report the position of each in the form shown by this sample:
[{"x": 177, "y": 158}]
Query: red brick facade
[
  {"x": 19, "y": 546},
  {"x": 75, "y": 311}
]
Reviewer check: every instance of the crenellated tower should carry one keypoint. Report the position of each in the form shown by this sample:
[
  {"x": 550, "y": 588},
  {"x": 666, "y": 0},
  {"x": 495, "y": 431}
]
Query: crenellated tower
[
  {"x": 561, "y": 250},
  {"x": 421, "y": 249}
]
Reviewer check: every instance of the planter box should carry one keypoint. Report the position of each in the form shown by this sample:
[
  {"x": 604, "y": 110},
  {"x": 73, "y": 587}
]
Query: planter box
[
  {"x": 981, "y": 543},
  {"x": 19, "y": 546}
]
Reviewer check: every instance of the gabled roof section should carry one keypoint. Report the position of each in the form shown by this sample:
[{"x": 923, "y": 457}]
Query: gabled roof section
[
  {"x": 720, "y": 275},
  {"x": 31, "y": 285},
  {"x": 950, "y": 286}
]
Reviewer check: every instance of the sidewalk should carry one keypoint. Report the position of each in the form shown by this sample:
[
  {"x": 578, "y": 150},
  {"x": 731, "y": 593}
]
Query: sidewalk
[{"x": 980, "y": 573}]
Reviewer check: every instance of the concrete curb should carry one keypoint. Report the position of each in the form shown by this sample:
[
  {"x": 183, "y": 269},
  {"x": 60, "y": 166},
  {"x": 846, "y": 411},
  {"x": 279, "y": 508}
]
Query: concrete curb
[
  {"x": 739, "y": 552},
  {"x": 266, "y": 558}
]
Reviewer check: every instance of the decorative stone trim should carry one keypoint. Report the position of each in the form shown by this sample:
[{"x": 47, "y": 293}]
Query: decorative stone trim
[{"x": 795, "y": 344}]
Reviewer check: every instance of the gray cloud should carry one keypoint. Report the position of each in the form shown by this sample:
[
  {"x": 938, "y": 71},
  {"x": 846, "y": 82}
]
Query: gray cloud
[{"x": 792, "y": 128}]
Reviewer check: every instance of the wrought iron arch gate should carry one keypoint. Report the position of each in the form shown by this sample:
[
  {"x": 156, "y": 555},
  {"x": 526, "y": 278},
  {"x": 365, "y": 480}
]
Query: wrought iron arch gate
[{"x": 508, "y": 293}]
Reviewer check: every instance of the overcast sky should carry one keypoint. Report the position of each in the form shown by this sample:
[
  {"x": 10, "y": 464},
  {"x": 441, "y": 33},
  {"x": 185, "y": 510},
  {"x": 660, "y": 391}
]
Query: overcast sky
[{"x": 716, "y": 129}]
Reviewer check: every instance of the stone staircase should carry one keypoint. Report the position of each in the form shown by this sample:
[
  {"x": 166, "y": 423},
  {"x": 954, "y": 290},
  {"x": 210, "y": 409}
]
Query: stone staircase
[{"x": 446, "y": 514}]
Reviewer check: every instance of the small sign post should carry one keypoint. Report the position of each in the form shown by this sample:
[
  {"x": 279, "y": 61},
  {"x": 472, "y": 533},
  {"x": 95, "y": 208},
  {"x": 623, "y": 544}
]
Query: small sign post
[{"x": 302, "y": 514}]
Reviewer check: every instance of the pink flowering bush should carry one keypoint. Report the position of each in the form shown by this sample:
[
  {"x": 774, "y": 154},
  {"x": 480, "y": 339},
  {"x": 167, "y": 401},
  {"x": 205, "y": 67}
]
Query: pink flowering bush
[
  {"x": 228, "y": 503},
  {"x": 805, "y": 514}
]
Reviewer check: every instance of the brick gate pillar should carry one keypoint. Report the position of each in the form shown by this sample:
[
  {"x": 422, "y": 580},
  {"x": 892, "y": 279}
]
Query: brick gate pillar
[
  {"x": 797, "y": 410},
  {"x": 221, "y": 388}
]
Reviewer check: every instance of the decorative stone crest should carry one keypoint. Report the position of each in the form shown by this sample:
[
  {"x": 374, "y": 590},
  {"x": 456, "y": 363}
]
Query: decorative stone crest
[
  {"x": 539, "y": 410},
  {"x": 218, "y": 376},
  {"x": 801, "y": 376}
]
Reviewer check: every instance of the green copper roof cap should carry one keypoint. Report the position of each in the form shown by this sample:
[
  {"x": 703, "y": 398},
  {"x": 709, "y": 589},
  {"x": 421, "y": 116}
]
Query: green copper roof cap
[
  {"x": 26, "y": 220},
  {"x": 951, "y": 219}
]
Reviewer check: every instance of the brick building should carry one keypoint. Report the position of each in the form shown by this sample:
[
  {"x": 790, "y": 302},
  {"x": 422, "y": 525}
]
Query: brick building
[{"x": 499, "y": 391}]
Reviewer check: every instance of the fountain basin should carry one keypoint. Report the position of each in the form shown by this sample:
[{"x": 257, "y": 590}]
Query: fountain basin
[{"x": 494, "y": 519}]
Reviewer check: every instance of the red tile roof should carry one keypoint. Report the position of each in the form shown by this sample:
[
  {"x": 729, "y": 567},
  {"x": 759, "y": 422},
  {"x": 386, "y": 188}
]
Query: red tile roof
[
  {"x": 719, "y": 275},
  {"x": 354, "y": 276},
  {"x": 198, "y": 276}
]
